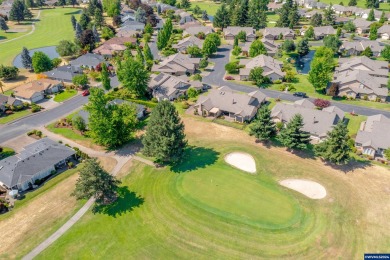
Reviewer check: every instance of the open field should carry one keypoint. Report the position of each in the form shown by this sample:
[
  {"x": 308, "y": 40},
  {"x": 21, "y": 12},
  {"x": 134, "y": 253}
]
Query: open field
[
  {"x": 38, "y": 215},
  {"x": 205, "y": 208},
  {"x": 54, "y": 26}
]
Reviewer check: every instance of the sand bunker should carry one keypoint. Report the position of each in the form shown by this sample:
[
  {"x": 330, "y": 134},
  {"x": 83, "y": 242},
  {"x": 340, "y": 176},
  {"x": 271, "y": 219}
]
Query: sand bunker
[
  {"x": 242, "y": 161},
  {"x": 310, "y": 189}
]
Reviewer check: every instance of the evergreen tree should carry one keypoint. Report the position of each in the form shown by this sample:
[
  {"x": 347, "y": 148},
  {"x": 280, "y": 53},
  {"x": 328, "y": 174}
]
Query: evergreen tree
[
  {"x": 40, "y": 3},
  {"x": 333, "y": 42},
  {"x": 147, "y": 53},
  {"x": 309, "y": 34},
  {"x": 221, "y": 18},
  {"x": 263, "y": 128},
  {"x": 185, "y": 4},
  {"x": 367, "y": 52},
  {"x": 73, "y": 21},
  {"x": 29, "y": 3},
  {"x": 205, "y": 16},
  {"x": 95, "y": 182},
  {"x": 27, "y": 14},
  {"x": 303, "y": 47},
  {"x": 140, "y": 15},
  {"x": 70, "y": 2},
  {"x": 99, "y": 20},
  {"x": 3, "y": 25},
  {"x": 61, "y": 3},
  {"x": 95, "y": 34},
  {"x": 78, "y": 32},
  {"x": 257, "y": 14},
  {"x": 383, "y": 18},
  {"x": 374, "y": 31},
  {"x": 352, "y": 3},
  {"x": 372, "y": 3},
  {"x": 329, "y": 16},
  {"x": 240, "y": 16},
  {"x": 288, "y": 15},
  {"x": 133, "y": 76},
  {"x": 197, "y": 10},
  {"x": 371, "y": 15},
  {"x": 165, "y": 138},
  {"x": 17, "y": 11},
  {"x": 335, "y": 148},
  {"x": 339, "y": 32},
  {"x": 257, "y": 48},
  {"x": 41, "y": 62},
  {"x": 148, "y": 29},
  {"x": 84, "y": 21},
  {"x": 292, "y": 136},
  {"x": 104, "y": 75},
  {"x": 385, "y": 53},
  {"x": 26, "y": 59},
  {"x": 316, "y": 20}
]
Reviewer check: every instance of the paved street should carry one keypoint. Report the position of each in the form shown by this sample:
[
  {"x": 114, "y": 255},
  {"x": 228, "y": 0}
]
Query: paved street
[{"x": 216, "y": 78}]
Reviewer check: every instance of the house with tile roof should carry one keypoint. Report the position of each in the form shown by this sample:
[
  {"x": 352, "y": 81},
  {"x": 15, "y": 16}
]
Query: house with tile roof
[
  {"x": 233, "y": 105},
  {"x": 272, "y": 68},
  {"x": 373, "y": 137}
]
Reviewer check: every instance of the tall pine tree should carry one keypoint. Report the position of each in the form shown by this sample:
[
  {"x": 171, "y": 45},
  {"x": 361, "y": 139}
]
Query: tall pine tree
[
  {"x": 73, "y": 21},
  {"x": 335, "y": 148},
  {"x": 17, "y": 11},
  {"x": 26, "y": 59},
  {"x": 263, "y": 128},
  {"x": 165, "y": 138},
  {"x": 240, "y": 15},
  {"x": 292, "y": 136},
  {"x": 222, "y": 18},
  {"x": 257, "y": 14},
  {"x": 104, "y": 75}
]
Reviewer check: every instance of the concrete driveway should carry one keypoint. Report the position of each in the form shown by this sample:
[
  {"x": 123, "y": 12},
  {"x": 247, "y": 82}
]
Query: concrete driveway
[{"x": 19, "y": 142}]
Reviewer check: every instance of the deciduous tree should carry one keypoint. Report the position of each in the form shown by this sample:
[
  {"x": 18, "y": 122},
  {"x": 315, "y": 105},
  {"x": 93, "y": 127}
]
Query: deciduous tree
[
  {"x": 319, "y": 74},
  {"x": 256, "y": 75},
  {"x": 133, "y": 76},
  {"x": 67, "y": 48},
  {"x": 41, "y": 62},
  {"x": 257, "y": 48},
  {"x": 165, "y": 138},
  {"x": 140, "y": 15}
]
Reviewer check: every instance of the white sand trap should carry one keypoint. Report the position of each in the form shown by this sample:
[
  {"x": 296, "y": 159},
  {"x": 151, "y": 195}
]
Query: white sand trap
[
  {"x": 242, "y": 161},
  {"x": 310, "y": 189}
]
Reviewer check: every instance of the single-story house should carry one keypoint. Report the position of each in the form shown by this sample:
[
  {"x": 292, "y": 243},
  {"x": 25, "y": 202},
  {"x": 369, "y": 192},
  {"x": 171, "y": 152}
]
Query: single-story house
[
  {"x": 231, "y": 32},
  {"x": 114, "y": 45},
  {"x": 384, "y": 32},
  {"x": 233, "y": 105},
  {"x": 272, "y": 68},
  {"x": 36, "y": 90},
  {"x": 36, "y": 161},
  {"x": 273, "y": 6},
  {"x": 316, "y": 122},
  {"x": 88, "y": 60},
  {"x": 185, "y": 17},
  {"x": 182, "y": 45},
  {"x": 373, "y": 138},
  {"x": 195, "y": 30},
  {"x": 187, "y": 25},
  {"x": 278, "y": 33},
  {"x": 132, "y": 26},
  {"x": 375, "y": 68},
  {"x": 341, "y": 20},
  {"x": 320, "y": 32},
  {"x": 362, "y": 25},
  {"x": 6, "y": 101},
  {"x": 271, "y": 46},
  {"x": 357, "y": 47},
  {"x": 64, "y": 73},
  {"x": 310, "y": 14},
  {"x": 177, "y": 64},
  {"x": 377, "y": 14},
  {"x": 168, "y": 87}
]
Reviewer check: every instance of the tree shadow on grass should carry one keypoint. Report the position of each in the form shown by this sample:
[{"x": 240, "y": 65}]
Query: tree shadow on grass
[
  {"x": 195, "y": 158},
  {"x": 127, "y": 200},
  {"x": 352, "y": 165},
  {"x": 74, "y": 12}
]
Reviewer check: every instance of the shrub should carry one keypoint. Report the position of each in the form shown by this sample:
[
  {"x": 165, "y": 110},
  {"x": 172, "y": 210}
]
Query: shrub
[
  {"x": 35, "y": 108},
  {"x": 185, "y": 105},
  {"x": 278, "y": 81},
  {"x": 232, "y": 67},
  {"x": 192, "y": 92},
  {"x": 321, "y": 103},
  {"x": 154, "y": 100},
  {"x": 197, "y": 77},
  {"x": 203, "y": 63},
  {"x": 70, "y": 165}
]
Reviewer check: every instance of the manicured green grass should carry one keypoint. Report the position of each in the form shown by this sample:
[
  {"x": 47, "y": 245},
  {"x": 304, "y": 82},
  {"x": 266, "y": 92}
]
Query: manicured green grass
[
  {"x": 210, "y": 7},
  {"x": 65, "y": 95},
  {"x": 14, "y": 116},
  {"x": 68, "y": 133},
  {"x": 54, "y": 26},
  {"x": 6, "y": 152},
  {"x": 360, "y": 3},
  {"x": 354, "y": 123},
  {"x": 207, "y": 209},
  {"x": 5, "y": 36}
]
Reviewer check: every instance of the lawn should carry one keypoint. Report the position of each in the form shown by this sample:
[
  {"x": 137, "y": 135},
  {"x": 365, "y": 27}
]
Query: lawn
[
  {"x": 38, "y": 215},
  {"x": 210, "y": 7},
  {"x": 14, "y": 116},
  {"x": 354, "y": 123},
  {"x": 65, "y": 95},
  {"x": 54, "y": 26},
  {"x": 206, "y": 209}
]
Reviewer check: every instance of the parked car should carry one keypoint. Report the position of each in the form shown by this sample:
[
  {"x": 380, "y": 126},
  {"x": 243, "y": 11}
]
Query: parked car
[
  {"x": 229, "y": 78},
  {"x": 300, "y": 94},
  {"x": 85, "y": 93}
]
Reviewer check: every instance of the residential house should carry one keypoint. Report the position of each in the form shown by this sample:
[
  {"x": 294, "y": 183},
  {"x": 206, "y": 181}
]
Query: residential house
[
  {"x": 114, "y": 45},
  {"x": 357, "y": 47},
  {"x": 362, "y": 25},
  {"x": 233, "y": 105},
  {"x": 36, "y": 161},
  {"x": 132, "y": 26},
  {"x": 185, "y": 17},
  {"x": 231, "y": 32},
  {"x": 322, "y": 31},
  {"x": 195, "y": 23},
  {"x": 36, "y": 90},
  {"x": 310, "y": 14},
  {"x": 377, "y": 14},
  {"x": 8, "y": 101},
  {"x": 341, "y": 20},
  {"x": 375, "y": 68},
  {"x": 272, "y": 68},
  {"x": 195, "y": 30},
  {"x": 88, "y": 60},
  {"x": 128, "y": 33},
  {"x": 316, "y": 122},
  {"x": 384, "y": 32},
  {"x": 64, "y": 73},
  {"x": 168, "y": 87},
  {"x": 182, "y": 45},
  {"x": 271, "y": 46},
  {"x": 273, "y": 6},
  {"x": 373, "y": 137},
  {"x": 277, "y": 33},
  {"x": 360, "y": 84},
  {"x": 177, "y": 64}
]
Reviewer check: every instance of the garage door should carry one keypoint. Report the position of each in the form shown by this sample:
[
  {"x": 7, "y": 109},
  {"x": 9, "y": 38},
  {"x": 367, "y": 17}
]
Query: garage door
[{"x": 37, "y": 97}]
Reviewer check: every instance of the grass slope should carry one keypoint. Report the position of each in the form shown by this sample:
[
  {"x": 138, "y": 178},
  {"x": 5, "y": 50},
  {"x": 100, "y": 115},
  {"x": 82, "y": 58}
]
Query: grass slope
[{"x": 54, "y": 26}]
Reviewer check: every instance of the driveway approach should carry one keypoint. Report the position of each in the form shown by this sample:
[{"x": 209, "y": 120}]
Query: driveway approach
[{"x": 216, "y": 78}]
